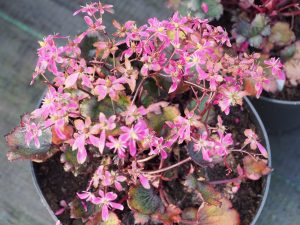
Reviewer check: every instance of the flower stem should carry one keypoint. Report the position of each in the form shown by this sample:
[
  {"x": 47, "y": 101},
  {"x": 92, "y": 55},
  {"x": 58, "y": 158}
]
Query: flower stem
[
  {"x": 225, "y": 181},
  {"x": 169, "y": 167}
]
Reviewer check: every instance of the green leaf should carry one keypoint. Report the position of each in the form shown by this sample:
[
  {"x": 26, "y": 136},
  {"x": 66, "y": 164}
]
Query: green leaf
[
  {"x": 92, "y": 107},
  {"x": 282, "y": 34},
  {"x": 259, "y": 25},
  {"x": 256, "y": 41},
  {"x": 97, "y": 219},
  {"x": 207, "y": 192},
  {"x": 200, "y": 108},
  {"x": 142, "y": 200},
  {"x": 87, "y": 46},
  {"x": 77, "y": 210},
  {"x": 215, "y": 8},
  {"x": 189, "y": 214},
  {"x": 157, "y": 121},
  {"x": 288, "y": 52},
  {"x": 20, "y": 150},
  {"x": 150, "y": 92}
]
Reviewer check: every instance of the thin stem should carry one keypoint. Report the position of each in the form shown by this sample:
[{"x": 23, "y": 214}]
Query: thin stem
[
  {"x": 85, "y": 91},
  {"x": 137, "y": 90},
  {"x": 169, "y": 167},
  {"x": 146, "y": 159},
  {"x": 195, "y": 85},
  {"x": 225, "y": 181}
]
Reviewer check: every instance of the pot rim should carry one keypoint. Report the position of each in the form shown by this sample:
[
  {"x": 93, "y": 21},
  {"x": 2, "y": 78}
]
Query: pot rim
[
  {"x": 265, "y": 191},
  {"x": 278, "y": 101}
]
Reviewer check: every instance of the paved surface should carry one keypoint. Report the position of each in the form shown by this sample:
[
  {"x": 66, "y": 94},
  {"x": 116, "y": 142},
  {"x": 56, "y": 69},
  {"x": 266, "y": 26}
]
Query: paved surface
[{"x": 22, "y": 23}]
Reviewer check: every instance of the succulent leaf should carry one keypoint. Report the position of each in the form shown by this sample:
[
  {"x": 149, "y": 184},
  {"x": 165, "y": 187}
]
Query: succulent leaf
[
  {"x": 157, "y": 121},
  {"x": 255, "y": 169},
  {"x": 207, "y": 193},
  {"x": 113, "y": 219},
  {"x": 170, "y": 216},
  {"x": 219, "y": 215},
  {"x": 292, "y": 67},
  {"x": 142, "y": 200},
  {"x": 20, "y": 150},
  {"x": 282, "y": 34}
]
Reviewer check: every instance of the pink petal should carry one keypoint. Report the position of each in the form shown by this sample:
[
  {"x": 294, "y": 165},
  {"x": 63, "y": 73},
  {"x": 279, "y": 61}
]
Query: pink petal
[
  {"x": 59, "y": 212},
  {"x": 83, "y": 195},
  {"x": 104, "y": 213},
  {"x": 204, "y": 7},
  {"x": 132, "y": 148},
  {"x": 58, "y": 127},
  {"x": 94, "y": 140},
  {"x": 71, "y": 80},
  {"x": 262, "y": 150},
  {"x": 81, "y": 155},
  {"x": 118, "y": 186},
  {"x": 116, "y": 205},
  {"x": 111, "y": 196},
  {"x": 88, "y": 21},
  {"x": 101, "y": 91},
  {"x": 144, "y": 181},
  {"x": 79, "y": 124},
  {"x": 102, "y": 142}
]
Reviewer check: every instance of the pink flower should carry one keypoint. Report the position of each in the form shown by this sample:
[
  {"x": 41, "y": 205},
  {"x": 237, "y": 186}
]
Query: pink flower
[
  {"x": 137, "y": 175},
  {"x": 94, "y": 26},
  {"x": 276, "y": 66},
  {"x": 204, "y": 7},
  {"x": 103, "y": 125},
  {"x": 118, "y": 145},
  {"x": 159, "y": 147},
  {"x": 133, "y": 113},
  {"x": 203, "y": 144},
  {"x": 109, "y": 86},
  {"x": 88, "y": 196},
  {"x": 93, "y": 8},
  {"x": 49, "y": 55},
  {"x": 252, "y": 139},
  {"x": 131, "y": 135},
  {"x": 32, "y": 132},
  {"x": 89, "y": 9},
  {"x": 80, "y": 71},
  {"x": 84, "y": 132},
  {"x": 106, "y": 202},
  {"x": 230, "y": 96}
]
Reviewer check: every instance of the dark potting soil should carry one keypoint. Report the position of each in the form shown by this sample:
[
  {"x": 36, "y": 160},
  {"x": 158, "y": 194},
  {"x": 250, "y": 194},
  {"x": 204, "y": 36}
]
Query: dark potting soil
[
  {"x": 57, "y": 185},
  {"x": 289, "y": 93}
]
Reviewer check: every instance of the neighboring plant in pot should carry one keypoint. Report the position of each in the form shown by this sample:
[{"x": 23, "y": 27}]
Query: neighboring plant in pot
[
  {"x": 271, "y": 27},
  {"x": 151, "y": 117}
]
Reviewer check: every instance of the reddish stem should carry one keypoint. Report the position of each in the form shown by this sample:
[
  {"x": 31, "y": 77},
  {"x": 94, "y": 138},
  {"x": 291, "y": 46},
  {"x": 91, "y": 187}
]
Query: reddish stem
[
  {"x": 225, "y": 181},
  {"x": 169, "y": 167}
]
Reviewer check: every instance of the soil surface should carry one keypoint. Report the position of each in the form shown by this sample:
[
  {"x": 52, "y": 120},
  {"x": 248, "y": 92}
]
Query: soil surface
[{"x": 57, "y": 185}]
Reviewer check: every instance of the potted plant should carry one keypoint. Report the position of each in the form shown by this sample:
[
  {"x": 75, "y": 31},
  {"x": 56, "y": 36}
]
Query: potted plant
[
  {"x": 272, "y": 28},
  {"x": 149, "y": 125}
]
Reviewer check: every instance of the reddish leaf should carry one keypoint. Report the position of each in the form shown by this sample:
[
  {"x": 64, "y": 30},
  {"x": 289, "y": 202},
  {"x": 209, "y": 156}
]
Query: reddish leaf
[
  {"x": 170, "y": 216},
  {"x": 255, "y": 169},
  {"x": 97, "y": 219},
  {"x": 141, "y": 218},
  {"x": 214, "y": 215}
]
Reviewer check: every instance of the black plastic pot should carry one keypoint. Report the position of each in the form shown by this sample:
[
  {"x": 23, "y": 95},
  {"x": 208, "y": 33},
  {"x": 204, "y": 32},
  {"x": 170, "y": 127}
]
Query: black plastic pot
[
  {"x": 278, "y": 115},
  {"x": 262, "y": 132}
]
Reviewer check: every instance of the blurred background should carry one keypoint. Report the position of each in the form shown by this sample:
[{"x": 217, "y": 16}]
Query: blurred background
[{"x": 22, "y": 24}]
